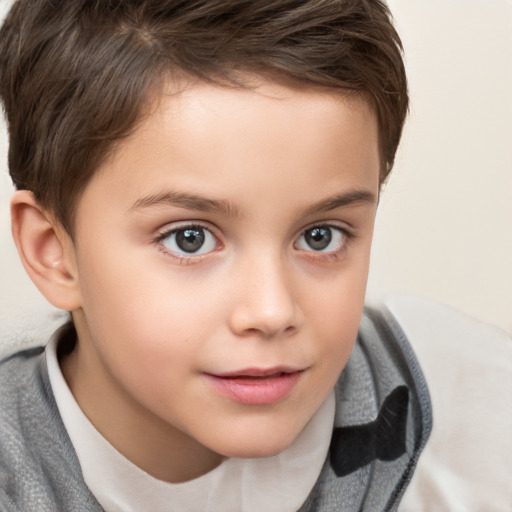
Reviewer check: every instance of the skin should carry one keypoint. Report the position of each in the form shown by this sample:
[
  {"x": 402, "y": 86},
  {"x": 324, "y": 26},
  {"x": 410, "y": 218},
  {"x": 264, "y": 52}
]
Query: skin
[{"x": 265, "y": 164}]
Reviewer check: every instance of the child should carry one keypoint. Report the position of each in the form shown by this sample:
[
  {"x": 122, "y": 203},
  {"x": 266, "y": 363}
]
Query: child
[{"x": 196, "y": 184}]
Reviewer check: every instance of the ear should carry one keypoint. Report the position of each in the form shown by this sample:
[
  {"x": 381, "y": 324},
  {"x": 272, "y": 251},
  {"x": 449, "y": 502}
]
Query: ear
[{"x": 46, "y": 251}]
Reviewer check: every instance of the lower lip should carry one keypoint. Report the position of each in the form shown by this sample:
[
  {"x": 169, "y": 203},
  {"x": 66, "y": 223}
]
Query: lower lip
[{"x": 256, "y": 391}]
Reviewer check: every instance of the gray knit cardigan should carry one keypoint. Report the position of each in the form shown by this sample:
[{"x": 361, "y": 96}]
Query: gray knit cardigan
[{"x": 383, "y": 420}]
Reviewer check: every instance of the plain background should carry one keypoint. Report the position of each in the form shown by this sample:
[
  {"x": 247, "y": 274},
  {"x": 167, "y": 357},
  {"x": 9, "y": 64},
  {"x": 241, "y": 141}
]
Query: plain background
[
  {"x": 445, "y": 223},
  {"x": 444, "y": 226}
]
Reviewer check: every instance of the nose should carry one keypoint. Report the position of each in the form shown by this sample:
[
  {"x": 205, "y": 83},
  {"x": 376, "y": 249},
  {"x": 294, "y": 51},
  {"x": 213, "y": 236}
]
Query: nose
[{"x": 265, "y": 301}]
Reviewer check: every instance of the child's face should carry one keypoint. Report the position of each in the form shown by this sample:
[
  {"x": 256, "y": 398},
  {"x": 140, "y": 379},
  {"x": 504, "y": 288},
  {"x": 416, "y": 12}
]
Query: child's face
[{"x": 222, "y": 256}]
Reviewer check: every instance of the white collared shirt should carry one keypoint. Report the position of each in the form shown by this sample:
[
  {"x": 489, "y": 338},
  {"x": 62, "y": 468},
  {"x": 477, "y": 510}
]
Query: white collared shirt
[{"x": 275, "y": 484}]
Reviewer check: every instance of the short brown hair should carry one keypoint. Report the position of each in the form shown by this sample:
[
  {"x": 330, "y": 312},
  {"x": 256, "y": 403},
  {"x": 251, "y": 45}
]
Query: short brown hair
[{"x": 75, "y": 75}]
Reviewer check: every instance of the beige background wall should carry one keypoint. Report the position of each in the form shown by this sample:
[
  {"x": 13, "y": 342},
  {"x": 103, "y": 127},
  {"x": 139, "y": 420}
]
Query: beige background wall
[{"x": 444, "y": 227}]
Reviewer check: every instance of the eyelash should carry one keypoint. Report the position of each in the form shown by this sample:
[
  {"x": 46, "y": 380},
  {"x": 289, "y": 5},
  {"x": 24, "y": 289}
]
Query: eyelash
[
  {"x": 184, "y": 260},
  {"x": 347, "y": 235},
  {"x": 320, "y": 256}
]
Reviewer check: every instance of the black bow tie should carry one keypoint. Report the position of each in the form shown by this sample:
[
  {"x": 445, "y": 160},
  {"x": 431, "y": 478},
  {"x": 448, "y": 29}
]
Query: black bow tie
[{"x": 384, "y": 438}]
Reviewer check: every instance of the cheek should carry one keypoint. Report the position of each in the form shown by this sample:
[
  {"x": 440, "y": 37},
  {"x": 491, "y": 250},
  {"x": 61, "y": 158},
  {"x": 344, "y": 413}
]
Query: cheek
[
  {"x": 337, "y": 299},
  {"x": 143, "y": 314},
  {"x": 334, "y": 312}
]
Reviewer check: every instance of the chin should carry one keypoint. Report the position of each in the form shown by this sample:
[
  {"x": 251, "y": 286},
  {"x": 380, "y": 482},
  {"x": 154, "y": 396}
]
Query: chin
[{"x": 255, "y": 445}]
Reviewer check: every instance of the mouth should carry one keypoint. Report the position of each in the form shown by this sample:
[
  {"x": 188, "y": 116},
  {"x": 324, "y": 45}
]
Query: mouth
[
  {"x": 256, "y": 386},
  {"x": 262, "y": 373}
]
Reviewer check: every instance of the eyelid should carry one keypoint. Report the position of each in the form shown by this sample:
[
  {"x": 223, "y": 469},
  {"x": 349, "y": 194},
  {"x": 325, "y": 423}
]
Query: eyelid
[
  {"x": 341, "y": 226},
  {"x": 346, "y": 233},
  {"x": 169, "y": 229},
  {"x": 183, "y": 224}
]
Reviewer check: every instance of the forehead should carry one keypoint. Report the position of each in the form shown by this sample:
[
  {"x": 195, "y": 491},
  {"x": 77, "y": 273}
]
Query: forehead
[{"x": 224, "y": 141}]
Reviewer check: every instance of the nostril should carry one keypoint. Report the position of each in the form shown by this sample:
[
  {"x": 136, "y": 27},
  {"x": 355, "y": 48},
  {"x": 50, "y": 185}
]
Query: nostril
[{"x": 267, "y": 333}]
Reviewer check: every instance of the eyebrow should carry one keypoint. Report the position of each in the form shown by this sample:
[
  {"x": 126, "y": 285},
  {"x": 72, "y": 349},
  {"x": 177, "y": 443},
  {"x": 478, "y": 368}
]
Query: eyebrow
[
  {"x": 187, "y": 201},
  {"x": 353, "y": 197},
  {"x": 204, "y": 204}
]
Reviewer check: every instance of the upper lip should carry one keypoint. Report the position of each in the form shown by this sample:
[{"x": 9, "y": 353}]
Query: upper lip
[{"x": 258, "y": 372}]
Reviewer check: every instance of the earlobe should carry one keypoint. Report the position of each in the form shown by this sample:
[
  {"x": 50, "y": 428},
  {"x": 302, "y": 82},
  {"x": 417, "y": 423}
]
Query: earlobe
[{"x": 46, "y": 251}]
